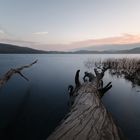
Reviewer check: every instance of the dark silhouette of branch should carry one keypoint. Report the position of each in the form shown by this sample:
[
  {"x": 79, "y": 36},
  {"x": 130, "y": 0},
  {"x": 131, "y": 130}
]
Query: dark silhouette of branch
[
  {"x": 103, "y": 90},
  {"x": 77, "y": 82},
  {"x": 11, "y": 72},
  {"x": 71, "y": 90}
]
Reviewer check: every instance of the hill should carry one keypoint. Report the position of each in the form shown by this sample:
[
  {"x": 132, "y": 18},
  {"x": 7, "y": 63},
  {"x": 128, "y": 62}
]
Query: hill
[
  {"x": 13, "y": 49},
  {"x": 130, "y": 51},
  {"x": 111, "y": 47},
  {"x": 8, "y": 48}
]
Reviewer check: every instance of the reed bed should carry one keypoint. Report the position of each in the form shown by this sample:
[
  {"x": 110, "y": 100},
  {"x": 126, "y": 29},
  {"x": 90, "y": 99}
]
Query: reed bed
[{"x": 129, "y": 68}]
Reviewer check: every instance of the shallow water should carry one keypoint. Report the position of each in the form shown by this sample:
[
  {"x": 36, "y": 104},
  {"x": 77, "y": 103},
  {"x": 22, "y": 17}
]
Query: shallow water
[{"x": 31, "y": 110}]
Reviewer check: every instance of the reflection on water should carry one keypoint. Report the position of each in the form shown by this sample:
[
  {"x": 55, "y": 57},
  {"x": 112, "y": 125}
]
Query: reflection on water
[{"x": 31, "y": 110}]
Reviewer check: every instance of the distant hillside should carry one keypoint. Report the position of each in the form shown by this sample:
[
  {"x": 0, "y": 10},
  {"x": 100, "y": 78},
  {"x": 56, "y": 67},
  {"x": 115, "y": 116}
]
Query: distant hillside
[
  {"x": 111, "y": 47},
  {"x": 134, "y": 51},
  {"x": 13, "y": 49},
  {"x": 8, "y": 48},
  {"x": 131, "y": 51}
]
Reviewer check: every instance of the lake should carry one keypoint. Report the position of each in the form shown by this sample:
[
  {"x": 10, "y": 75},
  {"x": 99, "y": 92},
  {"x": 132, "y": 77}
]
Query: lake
[{"x": 31, "y": 110}]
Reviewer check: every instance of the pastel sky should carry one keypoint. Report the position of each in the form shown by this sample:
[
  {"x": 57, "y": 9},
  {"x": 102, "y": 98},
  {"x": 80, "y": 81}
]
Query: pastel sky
[{"x": 68, "y": 24}]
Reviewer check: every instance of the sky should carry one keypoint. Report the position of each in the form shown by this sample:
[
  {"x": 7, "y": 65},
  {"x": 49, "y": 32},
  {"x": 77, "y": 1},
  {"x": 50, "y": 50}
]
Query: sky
[{"x": 68, "y": 24}]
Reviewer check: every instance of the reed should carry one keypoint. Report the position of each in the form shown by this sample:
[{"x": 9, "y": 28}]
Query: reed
[{"x": 129, "y": 68}]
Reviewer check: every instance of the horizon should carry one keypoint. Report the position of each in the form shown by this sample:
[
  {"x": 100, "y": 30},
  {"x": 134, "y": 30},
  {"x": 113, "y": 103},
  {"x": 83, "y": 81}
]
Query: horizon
[{"x": 68, "y": 25}]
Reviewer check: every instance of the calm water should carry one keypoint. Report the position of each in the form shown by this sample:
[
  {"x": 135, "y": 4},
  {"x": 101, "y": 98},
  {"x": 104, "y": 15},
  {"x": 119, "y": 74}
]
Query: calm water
[{"x": 31, "y": 110}]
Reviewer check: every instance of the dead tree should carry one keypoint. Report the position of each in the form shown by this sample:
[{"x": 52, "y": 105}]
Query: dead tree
[
  {"x": 11, "y": 72},
  {"x": 88, "y": 119}
]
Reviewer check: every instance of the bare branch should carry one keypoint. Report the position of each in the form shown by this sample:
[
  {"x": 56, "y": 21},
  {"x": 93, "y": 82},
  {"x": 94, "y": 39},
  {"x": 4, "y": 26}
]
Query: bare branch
[
  {"x": 11, "y": 72},
  {"x": 22, "y": 75},
  {"x": 27, "y": 66},
  {"x": 77, "y": 82},
  {"x": 103, "y": 90}
]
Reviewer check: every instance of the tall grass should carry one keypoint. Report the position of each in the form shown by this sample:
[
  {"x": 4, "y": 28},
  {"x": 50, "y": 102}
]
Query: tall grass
[{"x": 129, "y": 68}]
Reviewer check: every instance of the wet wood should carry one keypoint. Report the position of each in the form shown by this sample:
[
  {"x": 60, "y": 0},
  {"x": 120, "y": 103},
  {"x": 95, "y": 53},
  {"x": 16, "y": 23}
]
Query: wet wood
[
  {"x": 88, "y": 119},
  {"x": 11, "y": 72}
]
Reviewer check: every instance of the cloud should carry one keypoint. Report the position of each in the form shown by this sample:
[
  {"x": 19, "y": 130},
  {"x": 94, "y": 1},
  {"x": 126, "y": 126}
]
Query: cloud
[
  {"x": 40, "y": 33},
  {"x": 37, "y": 41},
  {"x": 122, "y": 39}
]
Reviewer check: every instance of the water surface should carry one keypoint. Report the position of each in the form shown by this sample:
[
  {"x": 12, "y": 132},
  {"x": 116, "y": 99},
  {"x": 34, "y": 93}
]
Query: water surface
[{"x": 31, "y": 110}]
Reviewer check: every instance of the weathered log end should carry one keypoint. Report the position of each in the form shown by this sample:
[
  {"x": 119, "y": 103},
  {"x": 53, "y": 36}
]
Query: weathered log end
[{"x": 88, "y": 119}]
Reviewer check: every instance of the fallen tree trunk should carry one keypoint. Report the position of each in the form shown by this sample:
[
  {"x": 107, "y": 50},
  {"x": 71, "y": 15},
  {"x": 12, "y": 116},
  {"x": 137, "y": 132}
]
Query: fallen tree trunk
[{"x": 88, "y": 118}]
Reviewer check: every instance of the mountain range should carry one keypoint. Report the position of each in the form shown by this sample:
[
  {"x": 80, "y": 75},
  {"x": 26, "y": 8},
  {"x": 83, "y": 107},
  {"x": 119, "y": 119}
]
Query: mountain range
[
  {"x": 9, "y": 48},
  {"x": 13, "y": 49},
  {"x": 110, "y": 47}
]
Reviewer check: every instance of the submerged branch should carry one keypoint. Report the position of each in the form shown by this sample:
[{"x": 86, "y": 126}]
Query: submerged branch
[
  {"x": 103, "y": 90},
  {"x": 11, "y": 72}
]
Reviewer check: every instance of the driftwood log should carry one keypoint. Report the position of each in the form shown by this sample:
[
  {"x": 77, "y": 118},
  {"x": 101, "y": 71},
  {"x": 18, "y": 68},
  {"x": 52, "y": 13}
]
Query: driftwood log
[
  {"x": 11, "y": 72},
  {"x": 88, "y": 119}
]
